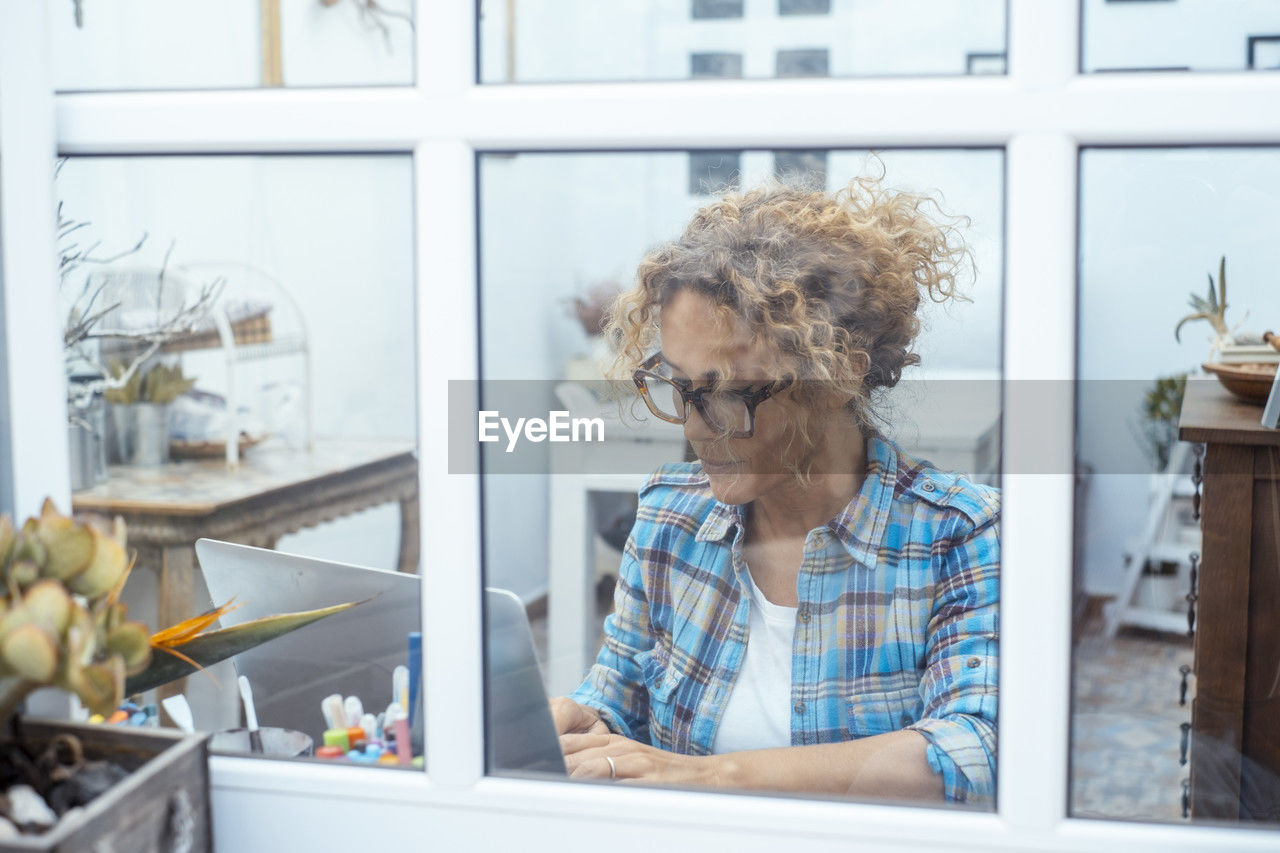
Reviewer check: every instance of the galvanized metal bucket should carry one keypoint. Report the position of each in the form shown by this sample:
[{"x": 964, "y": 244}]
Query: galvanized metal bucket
[{"x": 141, "y": 433}]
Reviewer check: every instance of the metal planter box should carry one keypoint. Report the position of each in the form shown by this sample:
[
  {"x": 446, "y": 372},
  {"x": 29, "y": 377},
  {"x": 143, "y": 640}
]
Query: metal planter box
[{"x": 163, "y": 805}]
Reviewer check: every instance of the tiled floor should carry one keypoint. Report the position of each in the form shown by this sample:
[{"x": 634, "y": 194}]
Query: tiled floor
[{"x": 1125, "y": 732}]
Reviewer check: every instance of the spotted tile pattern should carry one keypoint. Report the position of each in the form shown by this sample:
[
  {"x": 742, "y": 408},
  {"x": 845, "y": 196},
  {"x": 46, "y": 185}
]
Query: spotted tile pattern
[{"x": 1125, "y": 734}]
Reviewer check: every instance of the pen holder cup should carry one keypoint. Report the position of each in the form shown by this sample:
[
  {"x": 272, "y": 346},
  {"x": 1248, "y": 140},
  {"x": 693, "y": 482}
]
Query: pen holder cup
[{"x": 282, "y": 743}]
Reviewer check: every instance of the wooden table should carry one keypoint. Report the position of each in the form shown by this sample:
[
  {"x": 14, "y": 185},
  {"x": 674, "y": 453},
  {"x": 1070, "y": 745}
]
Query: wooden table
[
  {"x": 273, "y": 492},
  {"x": 1235, "y": 747}
]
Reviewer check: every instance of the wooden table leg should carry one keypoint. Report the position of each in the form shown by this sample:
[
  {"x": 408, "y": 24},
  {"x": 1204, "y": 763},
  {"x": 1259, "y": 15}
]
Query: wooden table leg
[
  {"x": 409, "y": 546},
  {"x": 177, "y": 572}
]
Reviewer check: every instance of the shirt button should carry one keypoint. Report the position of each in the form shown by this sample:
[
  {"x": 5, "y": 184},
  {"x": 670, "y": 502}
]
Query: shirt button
[
  {"x": 973, "y": 663},
  {"x": 798, "y": 707},
  {"x": 804, "y": 614},
  {"x": 928, "y": 487},
  {"x": 905, "y": 721},
  {"x": 820, "y": 540}
]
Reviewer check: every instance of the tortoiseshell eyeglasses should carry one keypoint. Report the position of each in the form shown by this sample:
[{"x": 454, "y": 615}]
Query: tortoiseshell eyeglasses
[{"x": 730, "y": 411}]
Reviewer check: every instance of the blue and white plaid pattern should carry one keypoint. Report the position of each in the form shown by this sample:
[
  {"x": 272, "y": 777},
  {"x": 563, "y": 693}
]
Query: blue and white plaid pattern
[{"x": 896, "y": 628}]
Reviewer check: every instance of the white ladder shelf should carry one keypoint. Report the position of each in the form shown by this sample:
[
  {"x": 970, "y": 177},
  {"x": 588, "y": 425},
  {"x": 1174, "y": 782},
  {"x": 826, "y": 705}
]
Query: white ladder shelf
[{"x": 1156, "y": 546}]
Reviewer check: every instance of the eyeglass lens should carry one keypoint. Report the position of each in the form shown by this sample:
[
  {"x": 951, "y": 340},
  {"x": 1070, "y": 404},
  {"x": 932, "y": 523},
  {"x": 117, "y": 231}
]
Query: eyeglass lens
[
  {"x": 724, "y": 410},
  {"x": 665, "y": 397}
]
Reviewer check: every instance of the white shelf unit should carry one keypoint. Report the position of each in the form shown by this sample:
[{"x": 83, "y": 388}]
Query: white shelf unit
[{"x": 1166, "y": 538}]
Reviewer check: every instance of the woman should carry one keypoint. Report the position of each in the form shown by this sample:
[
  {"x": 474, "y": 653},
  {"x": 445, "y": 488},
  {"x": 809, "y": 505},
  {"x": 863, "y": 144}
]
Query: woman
[{"x": 806, "y": 607}]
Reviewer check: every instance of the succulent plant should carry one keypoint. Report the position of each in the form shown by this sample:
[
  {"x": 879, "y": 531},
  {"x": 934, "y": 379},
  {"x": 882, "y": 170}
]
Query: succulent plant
[{"x": 61, "y": 621}]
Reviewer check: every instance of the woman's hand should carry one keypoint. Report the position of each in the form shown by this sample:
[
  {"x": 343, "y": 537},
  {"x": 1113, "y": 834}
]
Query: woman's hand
[
  {"x": 605, "y": 756},
  {"x": 572, "y": 718}
]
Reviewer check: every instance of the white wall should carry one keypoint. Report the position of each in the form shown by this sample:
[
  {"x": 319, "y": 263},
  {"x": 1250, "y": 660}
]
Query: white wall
[{"x": 1153, "y": 225}]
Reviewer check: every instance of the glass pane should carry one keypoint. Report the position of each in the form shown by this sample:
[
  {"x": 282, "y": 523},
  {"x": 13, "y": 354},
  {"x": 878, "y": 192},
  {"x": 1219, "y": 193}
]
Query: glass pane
[
  {"x": 1178, "y": 501},
  {"x": 280, "y": 288},
  {"x": 547, "y": 41},
  {"x": 897, "y": 651},
  {"x": 231, "y": 44},
  {"x": 1181, "y": 35}
]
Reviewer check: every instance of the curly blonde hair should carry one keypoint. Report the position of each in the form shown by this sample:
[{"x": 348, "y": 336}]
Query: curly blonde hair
[{"x": 831, "y": 283}]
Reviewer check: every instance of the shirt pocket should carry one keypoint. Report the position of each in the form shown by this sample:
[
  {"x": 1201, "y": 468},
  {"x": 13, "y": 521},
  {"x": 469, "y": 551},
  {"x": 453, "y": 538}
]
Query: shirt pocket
[
  {"x": 660, "y": 678},
  {"x": 884, "y": 702}
]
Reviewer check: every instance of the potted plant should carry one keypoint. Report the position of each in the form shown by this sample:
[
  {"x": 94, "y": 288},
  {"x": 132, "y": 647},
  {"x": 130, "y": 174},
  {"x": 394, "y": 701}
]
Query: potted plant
[
  {"x": 1243, "y": 362},
  {"x": 63, "y": 625},
  {"x": 131, "y": 315},
  {"x": 1157, "y": 428},
  {"x": 140, "y": 411},
  {"x": 1157, "y": 432},
  {"x": 1212, "y": 308},
  {"x": 591, "y": 310}
]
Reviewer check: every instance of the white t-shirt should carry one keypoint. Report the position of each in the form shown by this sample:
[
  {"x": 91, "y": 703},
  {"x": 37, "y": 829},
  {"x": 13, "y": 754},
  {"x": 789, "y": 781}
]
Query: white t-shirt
[{"x": 758, "y": 714}]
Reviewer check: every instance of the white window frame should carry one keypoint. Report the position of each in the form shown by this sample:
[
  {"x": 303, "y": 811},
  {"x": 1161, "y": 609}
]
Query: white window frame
[{"x": 1041, "y": 113}]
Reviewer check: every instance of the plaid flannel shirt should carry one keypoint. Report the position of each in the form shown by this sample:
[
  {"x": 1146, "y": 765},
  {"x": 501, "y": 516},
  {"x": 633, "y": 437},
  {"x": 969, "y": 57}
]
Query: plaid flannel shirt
[{"x": 896, "y": 626}]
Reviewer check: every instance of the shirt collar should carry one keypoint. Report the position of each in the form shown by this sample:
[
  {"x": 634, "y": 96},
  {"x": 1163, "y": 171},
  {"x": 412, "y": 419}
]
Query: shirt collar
[
  {"x": 722, "y": 518},
  {"x": 860, "y": 525}
]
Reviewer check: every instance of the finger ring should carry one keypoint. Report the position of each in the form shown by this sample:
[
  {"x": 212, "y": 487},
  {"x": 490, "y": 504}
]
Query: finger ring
[{"x": 613, "y": 768}]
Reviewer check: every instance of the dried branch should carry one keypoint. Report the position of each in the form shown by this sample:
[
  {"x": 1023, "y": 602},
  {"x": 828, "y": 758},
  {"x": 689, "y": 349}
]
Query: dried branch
[
  {"x": 150, "y": 341},
  {"x": 87, "y": 316},
  {"x": 187, "y": 319},
  {"x": 374, "y": 15},
  {"x": 81, "y": 317}
]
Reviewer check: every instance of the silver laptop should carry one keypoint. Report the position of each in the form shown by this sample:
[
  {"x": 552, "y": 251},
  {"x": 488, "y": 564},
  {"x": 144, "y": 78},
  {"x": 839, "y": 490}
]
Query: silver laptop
[
  {"x": 520, "y": 736},
  {"x": 355, "y": 652}
]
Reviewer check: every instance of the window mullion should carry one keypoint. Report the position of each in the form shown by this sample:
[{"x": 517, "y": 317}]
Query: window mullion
[
  {"x": 445, "y": 211},
  {"x": 1035, "y": 584},
  {"x": 446, "y": 286}
]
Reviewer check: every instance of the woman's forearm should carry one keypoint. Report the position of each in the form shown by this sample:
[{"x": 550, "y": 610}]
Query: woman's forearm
[{"x": 892, "y": 765}]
